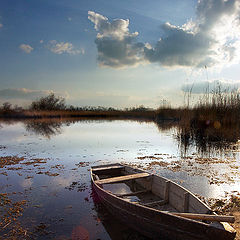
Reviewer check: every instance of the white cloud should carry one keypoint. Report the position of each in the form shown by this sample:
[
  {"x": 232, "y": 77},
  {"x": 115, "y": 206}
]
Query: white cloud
[
  {"x": 181, "y": 48},
  {"x": 60, "y": 182},
  {"x": 63, "y": 47},
  {"x": 26, "y": 48},
  {"x": 27, "y": 94},
  {"x": 117, "y": 47},
  {"x": 22, "y": 93},
  {"x": 213, "y": 39},
  {"x": 211, "y": 86}
]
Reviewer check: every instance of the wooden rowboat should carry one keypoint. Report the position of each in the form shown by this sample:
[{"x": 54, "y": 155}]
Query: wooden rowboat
[{"x": 156, "y": 206}]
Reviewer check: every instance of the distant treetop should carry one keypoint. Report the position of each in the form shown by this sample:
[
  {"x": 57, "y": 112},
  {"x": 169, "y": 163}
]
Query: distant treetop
[{"x": 50, "y": 102}]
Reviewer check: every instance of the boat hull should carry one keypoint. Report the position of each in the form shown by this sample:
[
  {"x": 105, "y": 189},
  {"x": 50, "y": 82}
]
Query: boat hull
[{"x": 156, "y": 224}]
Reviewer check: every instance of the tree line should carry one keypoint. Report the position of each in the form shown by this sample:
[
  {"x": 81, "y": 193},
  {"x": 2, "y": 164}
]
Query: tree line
[{"x": 56, "y": 103}]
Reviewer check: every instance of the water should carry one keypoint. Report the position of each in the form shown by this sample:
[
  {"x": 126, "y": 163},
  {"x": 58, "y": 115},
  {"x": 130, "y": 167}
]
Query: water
[{"x": 54, "y": 175}]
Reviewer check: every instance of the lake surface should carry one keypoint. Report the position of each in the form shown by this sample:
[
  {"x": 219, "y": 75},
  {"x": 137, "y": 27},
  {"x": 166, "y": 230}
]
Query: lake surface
[{"x": 53, "y": 175}]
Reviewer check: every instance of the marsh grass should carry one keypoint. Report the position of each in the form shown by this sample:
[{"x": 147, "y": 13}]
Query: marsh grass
[{"x": 214, "y": 121}]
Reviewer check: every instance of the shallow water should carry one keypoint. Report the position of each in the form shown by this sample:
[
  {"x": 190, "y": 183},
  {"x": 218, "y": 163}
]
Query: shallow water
[{"x": 54, "y": 175}]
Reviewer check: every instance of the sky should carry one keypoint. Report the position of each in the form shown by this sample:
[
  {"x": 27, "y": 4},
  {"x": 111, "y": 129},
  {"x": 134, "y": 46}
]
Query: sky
[{"x": 118, "y": 53}]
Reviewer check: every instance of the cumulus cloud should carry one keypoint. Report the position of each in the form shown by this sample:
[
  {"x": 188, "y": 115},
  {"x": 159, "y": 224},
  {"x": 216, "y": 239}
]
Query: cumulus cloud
[
  {"x": 117, "y": 47},
  {"x": 180, "y": 48},
  {"x": 213, "y": 39},
  {"x": 63, "y": 47},
  {"x": 211, "y": 86},
  {"x": 26, "y": 48}
]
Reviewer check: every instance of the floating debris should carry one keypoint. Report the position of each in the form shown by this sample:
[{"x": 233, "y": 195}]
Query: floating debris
[
  {"x": 80, "y": 187},
  {"x": 9, "y": 214},
  {"x": 82, "y": 164}
]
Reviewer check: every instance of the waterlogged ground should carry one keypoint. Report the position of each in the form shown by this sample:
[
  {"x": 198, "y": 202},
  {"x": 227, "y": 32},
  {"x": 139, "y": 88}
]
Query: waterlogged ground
[{"x": 45, "y": 188}]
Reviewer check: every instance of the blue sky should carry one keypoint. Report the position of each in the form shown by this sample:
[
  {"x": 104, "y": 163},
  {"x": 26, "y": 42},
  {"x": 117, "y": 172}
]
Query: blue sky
[{"x": 117, "y": 53}]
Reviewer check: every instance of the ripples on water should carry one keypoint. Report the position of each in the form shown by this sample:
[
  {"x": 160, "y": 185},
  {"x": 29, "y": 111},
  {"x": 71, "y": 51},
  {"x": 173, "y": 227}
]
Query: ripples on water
[{"x": 51, "y": 170}]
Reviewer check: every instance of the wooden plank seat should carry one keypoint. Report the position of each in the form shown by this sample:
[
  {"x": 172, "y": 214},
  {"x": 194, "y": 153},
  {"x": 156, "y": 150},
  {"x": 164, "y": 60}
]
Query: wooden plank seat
[
  {"x": 107, "y": 168},
  {"x": 122, "y": 178}
]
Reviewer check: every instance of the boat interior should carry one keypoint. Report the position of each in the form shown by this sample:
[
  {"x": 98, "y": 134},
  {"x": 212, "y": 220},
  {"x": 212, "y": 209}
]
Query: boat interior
[
  {"x": 156, "y": 192},
  {"x": 142, "y": 188}
]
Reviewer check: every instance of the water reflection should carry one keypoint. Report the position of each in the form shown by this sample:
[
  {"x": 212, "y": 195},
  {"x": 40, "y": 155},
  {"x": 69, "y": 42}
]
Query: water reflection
[
  {"x": 52, "y": 127},
  {"x": 208, "y": 138},
  {"x": 117, "y": 230},
  {"x": 55, "y": 178},
  {"x": 205, "y": 142},
  {"x": 44, "y": 128},
  {"x": 165, "y": 125}
]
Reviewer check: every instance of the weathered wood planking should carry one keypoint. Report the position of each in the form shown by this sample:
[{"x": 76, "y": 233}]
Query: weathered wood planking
[
  {"x": 166, "y": 191},
  {"x": 176, "y": 196},
  {"x": 105, "y": 165},
  {"x": 158, "y": 186},
  {"x": 132, "y": 193},
  {"x": 107, "y": 168},
  {"x": 196, "y": 206},
  {"x": 146, "y": 183},
  {"x": 159, "y": 203},
  {"x": 122, "y": 178},
  {"x": 186, "y": 202}
]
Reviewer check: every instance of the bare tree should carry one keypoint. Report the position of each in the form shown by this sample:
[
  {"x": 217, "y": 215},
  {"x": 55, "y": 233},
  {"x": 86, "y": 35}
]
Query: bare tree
[{"x": 50, "y": 102}]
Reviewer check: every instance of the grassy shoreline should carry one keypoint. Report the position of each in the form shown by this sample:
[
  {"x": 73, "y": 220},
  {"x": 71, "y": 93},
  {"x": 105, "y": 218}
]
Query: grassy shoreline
[{"x": 27, "y": 114}]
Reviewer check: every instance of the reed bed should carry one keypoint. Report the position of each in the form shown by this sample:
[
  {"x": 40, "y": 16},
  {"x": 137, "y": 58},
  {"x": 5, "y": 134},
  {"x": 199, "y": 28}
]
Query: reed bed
[{"x": 214, "y": 121}]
